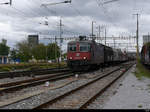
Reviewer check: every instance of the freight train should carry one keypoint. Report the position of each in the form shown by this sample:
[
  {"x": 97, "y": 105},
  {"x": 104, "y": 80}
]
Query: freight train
[
  {"x": 145, "y": 54},
  {"x": 86, "y": 54}
]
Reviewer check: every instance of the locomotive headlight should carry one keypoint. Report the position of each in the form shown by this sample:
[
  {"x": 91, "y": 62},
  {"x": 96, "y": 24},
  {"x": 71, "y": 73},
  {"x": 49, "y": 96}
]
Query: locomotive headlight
[
  {"x": 70, "y": 57},
  {"x": 84, "y": 57}
]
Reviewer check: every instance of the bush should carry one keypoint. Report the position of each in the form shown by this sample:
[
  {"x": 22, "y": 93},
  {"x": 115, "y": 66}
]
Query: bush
[
  {"x": 4, "y": 69},
  {"x": 29, "y": 66},
  {"x": 141, "y": 71}
]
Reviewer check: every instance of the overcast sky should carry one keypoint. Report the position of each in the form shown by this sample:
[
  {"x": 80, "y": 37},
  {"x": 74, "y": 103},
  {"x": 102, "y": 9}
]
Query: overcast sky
[{"x": 28, "y": 17}]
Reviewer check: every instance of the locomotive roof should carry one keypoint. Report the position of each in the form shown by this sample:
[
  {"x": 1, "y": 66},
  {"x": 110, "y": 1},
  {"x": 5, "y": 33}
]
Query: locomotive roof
[
  {"x": 87, "y": 41},
  {"x": 84, "y": 41}
]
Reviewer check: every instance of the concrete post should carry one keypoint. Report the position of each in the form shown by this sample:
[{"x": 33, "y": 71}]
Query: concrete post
[
  {"x": 2, "y": 60},
  {"x": 7, "y": 60}
]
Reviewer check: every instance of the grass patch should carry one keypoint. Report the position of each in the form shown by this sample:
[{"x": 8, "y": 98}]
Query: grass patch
[
  {"x": 141, "y": 71},
  {"x": 29, "y": 66},
  {"x": 140, "y": 106}
]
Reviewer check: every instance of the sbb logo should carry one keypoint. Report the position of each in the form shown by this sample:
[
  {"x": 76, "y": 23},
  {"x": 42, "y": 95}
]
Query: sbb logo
[{"x": 77, "y": 54}]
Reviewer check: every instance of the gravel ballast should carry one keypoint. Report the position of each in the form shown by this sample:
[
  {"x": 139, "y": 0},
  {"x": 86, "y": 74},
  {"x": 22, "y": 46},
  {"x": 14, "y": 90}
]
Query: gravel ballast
[
  {"x": 36, "y": 100},
  {"x": 127, "y": 93}
]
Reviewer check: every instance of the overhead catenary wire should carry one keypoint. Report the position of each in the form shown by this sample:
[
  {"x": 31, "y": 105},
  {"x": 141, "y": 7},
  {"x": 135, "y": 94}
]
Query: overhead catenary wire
[
  {"x": 76, "y": 10},
  {"x": 100, "y": 4},
  {"x": 43, "y": 10},
  {"x": 33, "y": 12}
]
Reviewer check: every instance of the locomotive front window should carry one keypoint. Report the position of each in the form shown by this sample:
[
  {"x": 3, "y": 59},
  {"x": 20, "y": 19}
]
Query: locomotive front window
[
  {"x": 85, "y": 47},
  {"x": 72, "y": 47}
]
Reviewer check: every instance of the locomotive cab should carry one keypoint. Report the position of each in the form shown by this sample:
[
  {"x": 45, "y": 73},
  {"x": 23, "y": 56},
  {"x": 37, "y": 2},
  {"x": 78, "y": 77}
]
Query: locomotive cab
[{"x": 79, "y": 54}]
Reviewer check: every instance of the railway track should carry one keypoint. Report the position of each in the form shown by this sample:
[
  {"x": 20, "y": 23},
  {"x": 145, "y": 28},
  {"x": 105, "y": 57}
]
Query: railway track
[
  {"x": 82, "y": 96},
  {"x": 13, "y": 74},
  {"x": 14, "y": 86}
]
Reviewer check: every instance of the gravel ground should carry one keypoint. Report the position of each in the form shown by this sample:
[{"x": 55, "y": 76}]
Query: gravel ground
[
  {"x": 127, "y": 93},
  {"x": 105, "y": 96},
  {"x": 6, "y": 80},
  {"x": 36, "y": 100},
  {"x": 3, "y": 96},
  {"x": 78, "y": 98}
]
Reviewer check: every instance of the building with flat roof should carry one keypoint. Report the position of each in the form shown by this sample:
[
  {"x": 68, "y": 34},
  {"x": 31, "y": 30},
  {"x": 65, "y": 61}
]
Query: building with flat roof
[{"x": 33, "y": 40}]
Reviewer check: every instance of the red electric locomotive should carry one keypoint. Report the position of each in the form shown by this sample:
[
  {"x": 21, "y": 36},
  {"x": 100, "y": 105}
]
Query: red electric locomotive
[{"x": 84, "y": 54}]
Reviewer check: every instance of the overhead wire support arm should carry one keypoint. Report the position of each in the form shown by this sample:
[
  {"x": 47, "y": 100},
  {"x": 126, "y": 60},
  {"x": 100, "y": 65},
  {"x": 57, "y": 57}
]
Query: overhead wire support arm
[
  {"x": 67, "y": 1},
  {"x": 6, "y": 3},
  {"x": 110, "y": 1}
]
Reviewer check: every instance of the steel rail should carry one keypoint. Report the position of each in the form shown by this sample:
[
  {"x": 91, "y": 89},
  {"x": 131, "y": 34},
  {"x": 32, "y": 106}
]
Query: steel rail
[
  {"x": 83, "y": 106},
  {"x": 36, "y": 82},
  {"x": 50, "y": 102},
  {"x": 13, "y": 74},
  {"x": 30, "y": 80},
  {"x": 74, "y": 90}
]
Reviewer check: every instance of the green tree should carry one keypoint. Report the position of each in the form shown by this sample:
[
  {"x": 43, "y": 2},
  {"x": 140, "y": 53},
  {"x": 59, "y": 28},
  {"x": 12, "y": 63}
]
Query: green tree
[
  {"x": 65, "y": 55},
  {"x": 53, "y": 51},
  {"x": 13, "y": 54},
  {"x": 24, "y": 51},
  {"x": 39, "y": 52},
  {"x": 4, "y": 49}
]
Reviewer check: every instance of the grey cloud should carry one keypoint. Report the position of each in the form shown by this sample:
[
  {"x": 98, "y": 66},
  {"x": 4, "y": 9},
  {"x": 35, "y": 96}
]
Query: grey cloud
[{"x": 25, "y": 16}]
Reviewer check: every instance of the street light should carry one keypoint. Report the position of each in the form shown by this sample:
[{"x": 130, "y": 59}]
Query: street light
[{"x": 67, "y": 1}]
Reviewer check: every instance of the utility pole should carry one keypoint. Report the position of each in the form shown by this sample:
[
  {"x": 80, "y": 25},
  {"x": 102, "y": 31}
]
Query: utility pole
[
  {"x": 93, "y": 29},
  {"x": 55, "y": 49},
  {"x": 57, "y": 59},
  {"x": 99, "y": 31},
  {"x": 148, "y": 37},
  {"x": 137, "y": 36},
  {"x": 46, "y": 57},
  {"x": 105, "y": 35},
  {"x": 114, "y": 42},
  {"x": 61, "y": 39}
]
